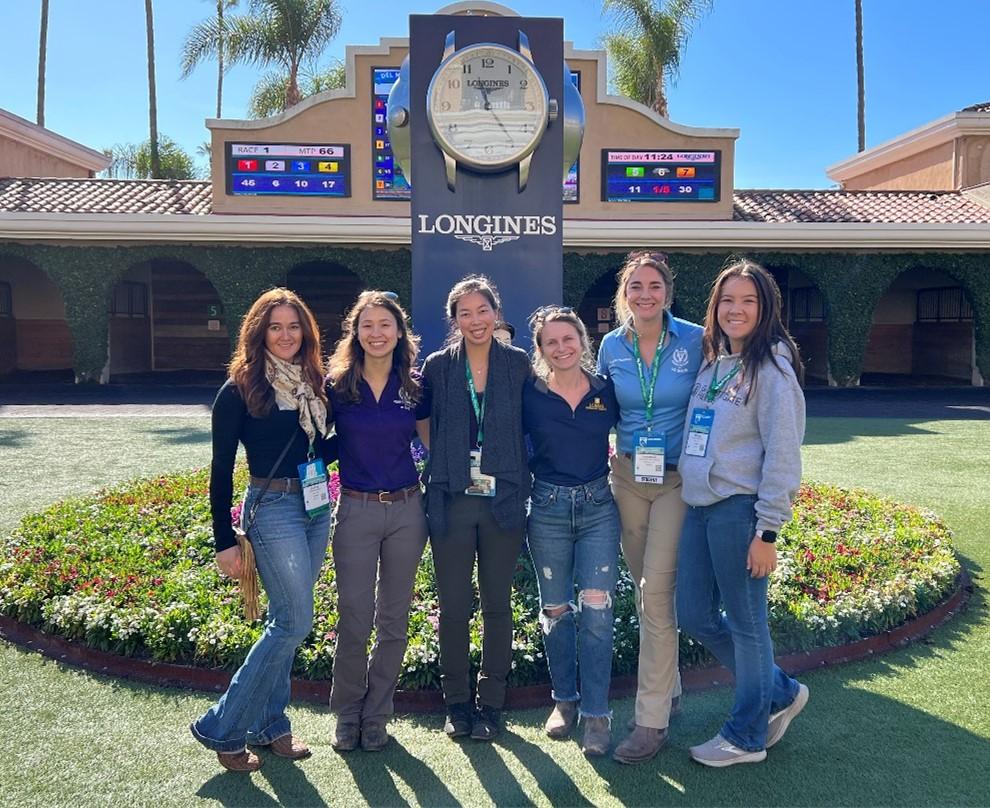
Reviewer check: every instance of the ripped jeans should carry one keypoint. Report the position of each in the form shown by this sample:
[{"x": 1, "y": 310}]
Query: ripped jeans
[{"x": 574, "y": 542}]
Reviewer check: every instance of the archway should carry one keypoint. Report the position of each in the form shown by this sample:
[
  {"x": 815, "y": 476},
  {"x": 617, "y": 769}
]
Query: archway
[
  {"x": 922, "y": 332},
  {"x": 35, "y": 342},
  {"x": 329, "y": 290},
  {"x": 805, "y": 317}
]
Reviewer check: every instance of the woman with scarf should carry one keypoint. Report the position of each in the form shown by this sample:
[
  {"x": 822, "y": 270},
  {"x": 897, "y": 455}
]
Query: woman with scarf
[
  {"x": 274, "y": 403},
  {"x": 477, "y": 486}
]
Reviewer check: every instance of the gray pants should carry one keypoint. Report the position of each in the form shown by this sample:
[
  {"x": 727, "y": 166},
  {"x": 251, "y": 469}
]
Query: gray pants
[{"x": 376, "y": 548}]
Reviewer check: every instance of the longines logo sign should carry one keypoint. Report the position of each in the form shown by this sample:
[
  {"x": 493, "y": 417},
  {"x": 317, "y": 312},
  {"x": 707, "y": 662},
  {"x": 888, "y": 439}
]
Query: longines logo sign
[{"x": 487, "y": 231}]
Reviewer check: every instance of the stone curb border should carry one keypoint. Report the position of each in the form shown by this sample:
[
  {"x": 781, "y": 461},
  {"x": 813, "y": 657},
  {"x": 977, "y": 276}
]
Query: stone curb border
[{"x": 165, "y": 674}]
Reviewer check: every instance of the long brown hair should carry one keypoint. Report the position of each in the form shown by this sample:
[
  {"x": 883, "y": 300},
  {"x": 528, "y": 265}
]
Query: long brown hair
[
  {"x": 635, "y": 260},
  {"x": 247, "y": 364},
  {"x": 769, "y": 329},
  {"x": 347, "y": 362}
]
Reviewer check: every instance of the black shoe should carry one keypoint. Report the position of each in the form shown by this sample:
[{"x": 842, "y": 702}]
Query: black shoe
[
  {"x": 487, "y": 723},
  {"x": 459, "y": 718}
]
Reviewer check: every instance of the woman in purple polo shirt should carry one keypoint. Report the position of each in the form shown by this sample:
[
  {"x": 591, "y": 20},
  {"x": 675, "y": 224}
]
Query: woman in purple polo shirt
[{"x": 380, "y": 526}]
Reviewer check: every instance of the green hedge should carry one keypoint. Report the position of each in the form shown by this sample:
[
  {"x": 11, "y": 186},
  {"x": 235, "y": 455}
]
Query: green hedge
[{"x": 851, "y": 284}]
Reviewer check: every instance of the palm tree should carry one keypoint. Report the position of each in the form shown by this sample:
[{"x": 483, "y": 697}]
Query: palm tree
[
  {"x": 156, "y": 166},
  {"x": 284, "y": 32},
  {"x": 209, "y": 37},
  {"x": 42, "y": 55},
  {"x": 645, "y": 46},
  {"x": 860, "y": 78},
  {"x": 268, "y": 96}
]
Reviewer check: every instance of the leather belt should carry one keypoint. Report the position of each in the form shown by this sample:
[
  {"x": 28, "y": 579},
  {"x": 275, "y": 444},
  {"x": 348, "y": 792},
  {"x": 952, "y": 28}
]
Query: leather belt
[
  {"x": 283, "y": 484},
  {"x": 386, "y": 497}
]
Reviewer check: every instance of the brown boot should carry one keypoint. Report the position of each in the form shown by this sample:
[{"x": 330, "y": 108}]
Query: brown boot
[
  {"x": 290, "y": 747},
  {"x": 347, "y": 736},
  {"x": 243, "y": 761},
  {"x": 642, "y": 744},
  {"x": 597, "y": 736},
  {"x": 562, "y": 719}
]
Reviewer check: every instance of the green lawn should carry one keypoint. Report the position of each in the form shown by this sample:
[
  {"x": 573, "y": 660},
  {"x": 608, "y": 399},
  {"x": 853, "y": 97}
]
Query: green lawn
[{"x": 910, "y": 728}]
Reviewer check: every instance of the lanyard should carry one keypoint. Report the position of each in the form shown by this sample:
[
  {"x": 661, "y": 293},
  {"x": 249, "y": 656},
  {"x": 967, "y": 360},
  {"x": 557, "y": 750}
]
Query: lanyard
[
  {"x": 717, "y": 385},
  {"x": 479, "y": 409},
  {"x": 649, "y": 390}
]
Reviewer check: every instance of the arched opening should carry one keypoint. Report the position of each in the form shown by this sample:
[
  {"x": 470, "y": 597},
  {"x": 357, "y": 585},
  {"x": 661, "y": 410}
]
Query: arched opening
[
  {"x": 922, "y": 332},
  {"x": 167, "y": 323},
  {"x": 804, "y": 315},
  {"x": 329, "y": 290},
  {"x": 35, "y": 342}
]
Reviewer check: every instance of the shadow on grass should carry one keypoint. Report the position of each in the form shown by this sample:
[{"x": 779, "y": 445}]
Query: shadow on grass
[
  {"x": 15, "y": 438},
  {"x": 373, "y": 775},
  {"x": 828, "y": 431},
  {"x": 181, "y": 436}
]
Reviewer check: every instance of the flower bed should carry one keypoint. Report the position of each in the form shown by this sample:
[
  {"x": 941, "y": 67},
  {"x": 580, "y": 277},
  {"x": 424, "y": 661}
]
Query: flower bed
[{"x": 130, "y": 570}]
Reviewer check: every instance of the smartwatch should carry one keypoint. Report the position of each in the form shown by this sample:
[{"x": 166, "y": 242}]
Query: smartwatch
[{"x": 769, "y": 536}]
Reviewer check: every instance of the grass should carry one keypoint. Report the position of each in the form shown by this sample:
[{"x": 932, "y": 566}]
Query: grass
[{"x": 909, "y": 728}]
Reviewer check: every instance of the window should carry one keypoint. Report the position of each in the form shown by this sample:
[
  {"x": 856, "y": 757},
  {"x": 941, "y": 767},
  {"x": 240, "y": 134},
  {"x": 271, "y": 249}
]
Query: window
[
  {"x": 946, "y": 304},
  {"x": 6, "y": 300},
  {"x": 807, "y": 305},
  {"x": 129, "y": 299}
]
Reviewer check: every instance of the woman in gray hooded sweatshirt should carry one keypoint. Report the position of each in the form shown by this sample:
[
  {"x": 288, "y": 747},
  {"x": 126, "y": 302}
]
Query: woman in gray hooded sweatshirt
[{"x": 741, "y": 467}]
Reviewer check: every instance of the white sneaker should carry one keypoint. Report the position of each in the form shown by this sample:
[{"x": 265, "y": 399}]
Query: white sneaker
[
  {"x": 781, "y": 720},
  {"x": 718, "y": 752}
]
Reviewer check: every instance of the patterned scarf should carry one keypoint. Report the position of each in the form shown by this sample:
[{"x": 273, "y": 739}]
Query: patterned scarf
[{"x": 293, "y": 392}]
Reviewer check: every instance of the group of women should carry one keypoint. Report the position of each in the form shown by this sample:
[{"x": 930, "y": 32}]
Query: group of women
[{"x": 708, "y": 421}]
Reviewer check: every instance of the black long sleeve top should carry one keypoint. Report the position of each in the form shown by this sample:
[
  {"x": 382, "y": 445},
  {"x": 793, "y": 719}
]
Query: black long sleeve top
[{"x": 263, "y": 439}]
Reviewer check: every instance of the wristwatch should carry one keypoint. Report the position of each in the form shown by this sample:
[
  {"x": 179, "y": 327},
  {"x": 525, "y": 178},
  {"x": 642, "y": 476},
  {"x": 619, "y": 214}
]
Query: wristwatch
[
  {"x": 487, "y": 106},
  {"x": 769, "y": 536}
]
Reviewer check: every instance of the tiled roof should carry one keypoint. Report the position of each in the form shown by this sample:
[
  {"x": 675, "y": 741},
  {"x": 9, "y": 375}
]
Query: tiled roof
[
  {"x": 869, "y": 207},
  {"x": 73, "y": 195},
  {"x": 34, "y": 195},
  {"x": 984, "y": 107}
]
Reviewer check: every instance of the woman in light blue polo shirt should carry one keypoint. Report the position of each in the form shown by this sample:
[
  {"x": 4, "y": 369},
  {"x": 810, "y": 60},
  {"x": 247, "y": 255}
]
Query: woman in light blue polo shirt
[{"x": 652, "y": 359}]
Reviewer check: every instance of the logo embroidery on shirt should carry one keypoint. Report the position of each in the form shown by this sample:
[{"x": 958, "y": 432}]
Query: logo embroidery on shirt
[
  {"x": 679, "y": 360},
  {"x": 597, "y": 406},
  {"x": 404, "y": 400}
]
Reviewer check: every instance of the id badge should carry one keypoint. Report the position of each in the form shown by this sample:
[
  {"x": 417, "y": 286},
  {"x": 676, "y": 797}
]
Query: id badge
[
  {"x": 313, "y": 479},
  {"x": 482, "y": 485},
  {"x": 699, "y": 430},
  {"x": 648, "y": 455}
]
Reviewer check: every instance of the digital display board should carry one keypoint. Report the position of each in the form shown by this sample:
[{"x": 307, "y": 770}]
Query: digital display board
[
  {"x": 661, "y": 176},
  {"x": 389, "y": 183},
  {"x": 288, "y": 169}
]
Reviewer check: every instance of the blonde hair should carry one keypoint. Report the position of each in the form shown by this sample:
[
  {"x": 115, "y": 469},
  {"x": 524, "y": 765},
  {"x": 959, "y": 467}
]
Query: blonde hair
[
  {"x": 635, "y": 260},
  {"x": 558, "y": 314}
]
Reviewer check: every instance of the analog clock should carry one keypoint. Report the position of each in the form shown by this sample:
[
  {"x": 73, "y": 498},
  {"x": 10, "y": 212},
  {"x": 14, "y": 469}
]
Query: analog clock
[{"x": 488, "y": 107}]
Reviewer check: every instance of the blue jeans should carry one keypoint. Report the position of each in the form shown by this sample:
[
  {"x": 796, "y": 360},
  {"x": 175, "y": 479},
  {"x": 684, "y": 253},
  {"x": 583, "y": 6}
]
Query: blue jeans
[
  {"x": 289, "y": 548},
  {"x": 711, "y": 574},
  {"x": 574, "y": 540}
]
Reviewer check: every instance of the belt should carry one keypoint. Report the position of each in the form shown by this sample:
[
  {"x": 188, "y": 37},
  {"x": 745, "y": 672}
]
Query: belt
[
  {"x": 386, "y": 497},
  {"x": 667, "y": 466},
  {"x": 289, "y": 484}
]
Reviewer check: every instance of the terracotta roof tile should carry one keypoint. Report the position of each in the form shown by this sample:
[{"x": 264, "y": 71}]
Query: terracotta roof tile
[
  {"x": 194, "y": 197},
  {"x": 80, "y": 195},
  {"x": 984, "y": 107},
  {"x": 868, "y": 207}
]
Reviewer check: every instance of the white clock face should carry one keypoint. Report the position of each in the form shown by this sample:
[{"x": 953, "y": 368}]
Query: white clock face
[{"x": 487, "y": 106}]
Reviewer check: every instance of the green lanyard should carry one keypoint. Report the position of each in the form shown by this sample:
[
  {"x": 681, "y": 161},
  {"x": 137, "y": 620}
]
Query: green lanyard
[
  {"x": 717, "y": 385},
  {"x": 648, "y": 390},
  {"x": 479, "y": 409}
]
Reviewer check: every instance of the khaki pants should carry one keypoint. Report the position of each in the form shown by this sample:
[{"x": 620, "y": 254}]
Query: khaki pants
[{"x": 651, "y": 517}]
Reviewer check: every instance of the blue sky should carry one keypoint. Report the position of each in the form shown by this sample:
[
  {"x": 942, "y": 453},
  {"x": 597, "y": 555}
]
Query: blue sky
[{"x": 782, "y": 71}]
